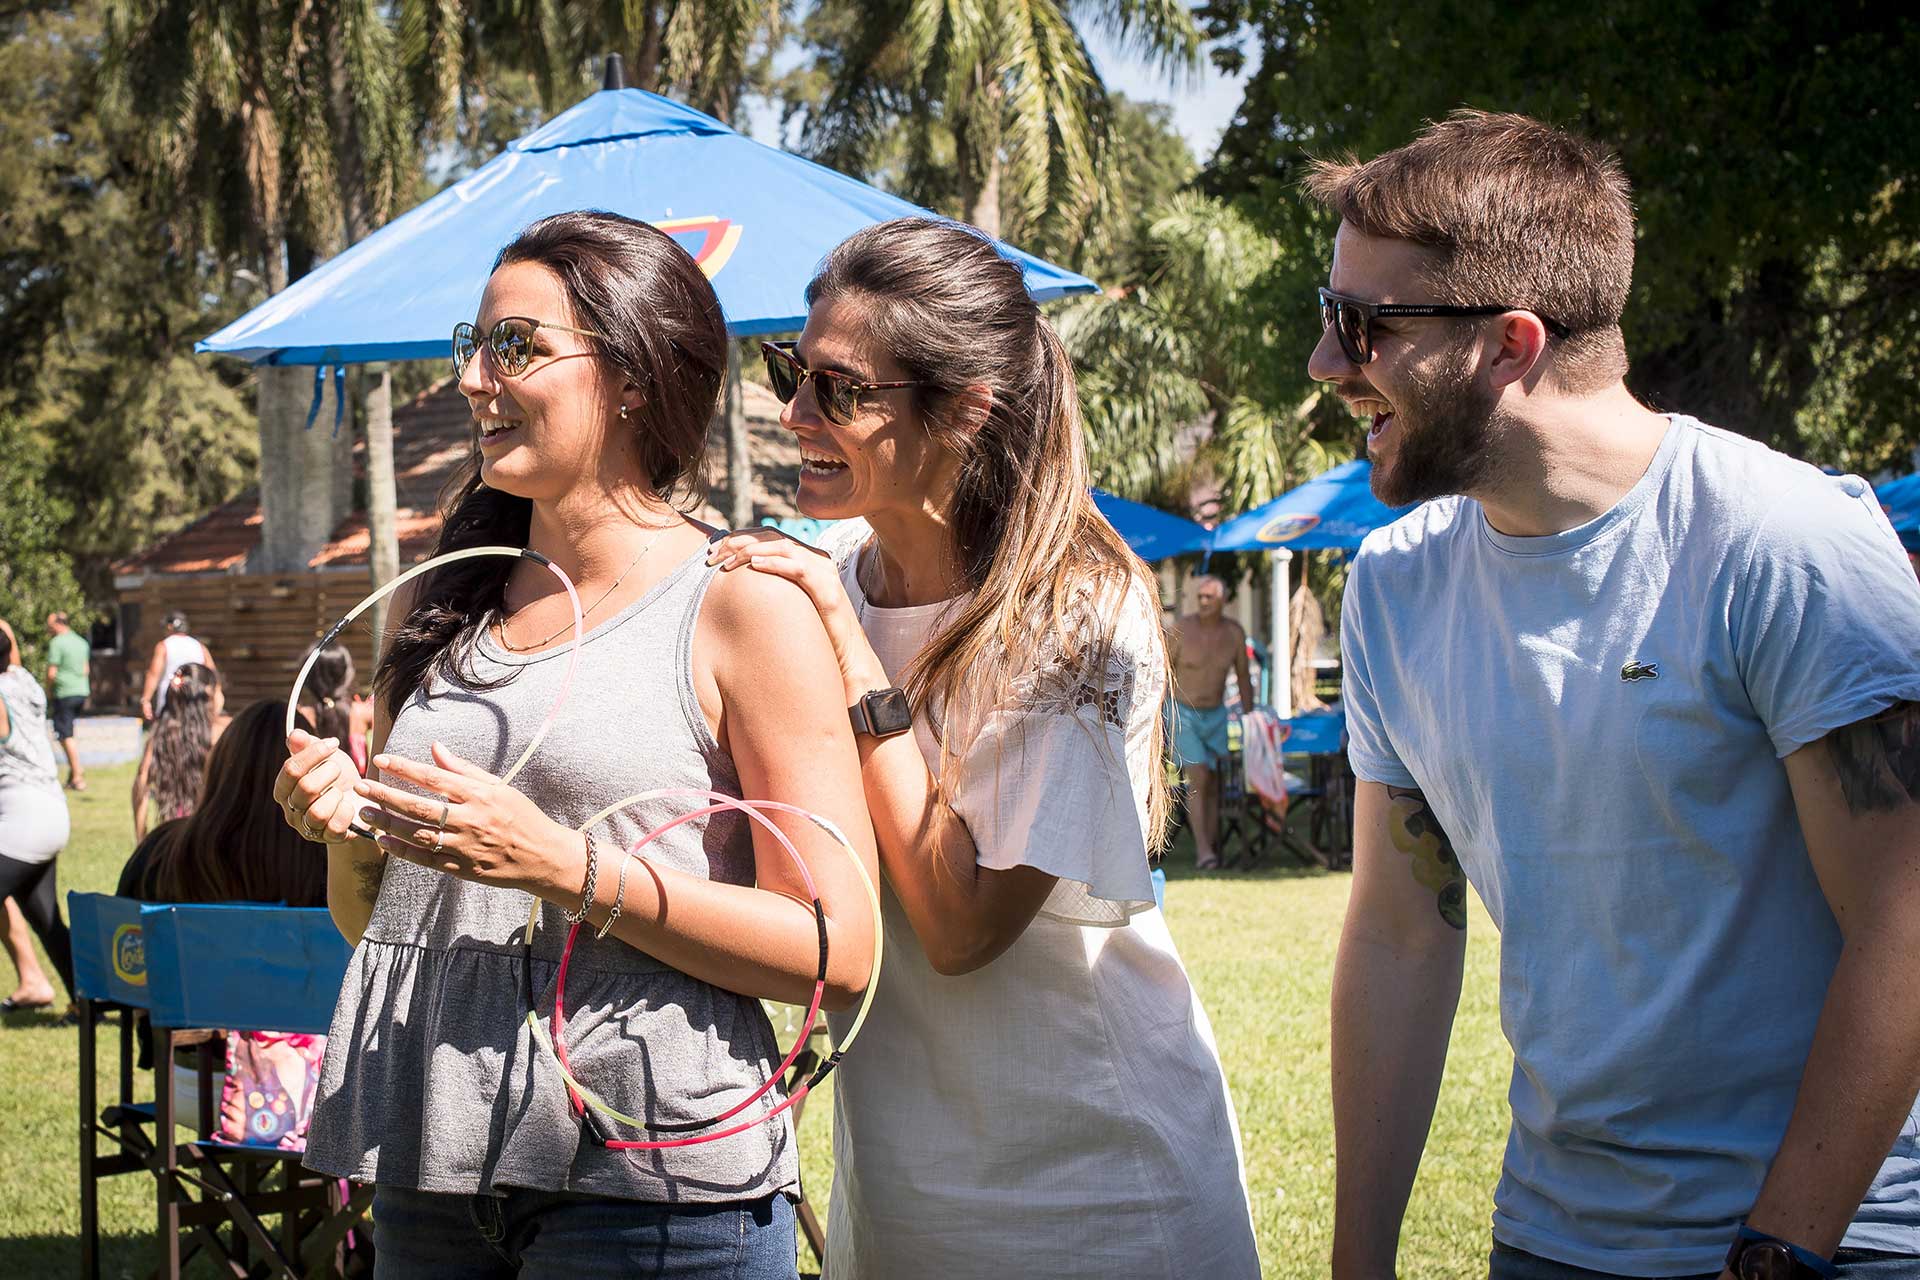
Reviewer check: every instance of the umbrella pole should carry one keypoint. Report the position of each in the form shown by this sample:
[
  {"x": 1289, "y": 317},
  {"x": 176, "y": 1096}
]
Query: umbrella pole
[{"x": 1280, "y": 651}]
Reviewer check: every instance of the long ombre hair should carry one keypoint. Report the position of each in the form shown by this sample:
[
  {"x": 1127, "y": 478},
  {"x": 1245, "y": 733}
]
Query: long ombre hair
[
  {"x": 1049, "y": 575},
  {"x": 660, "y": 328},
  {"x": 182, "y": 735}
]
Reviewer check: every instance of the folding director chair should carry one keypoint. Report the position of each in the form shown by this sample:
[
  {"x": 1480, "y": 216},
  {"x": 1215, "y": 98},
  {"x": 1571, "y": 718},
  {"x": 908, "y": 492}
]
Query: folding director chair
[
  {"x": 1321, "y": 736},
  {"x": 110, "y": 983},
  {"x": 239, "y": 967}
]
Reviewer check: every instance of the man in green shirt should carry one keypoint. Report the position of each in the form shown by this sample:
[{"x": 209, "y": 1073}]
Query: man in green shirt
[{"x": 67, "y": 690}]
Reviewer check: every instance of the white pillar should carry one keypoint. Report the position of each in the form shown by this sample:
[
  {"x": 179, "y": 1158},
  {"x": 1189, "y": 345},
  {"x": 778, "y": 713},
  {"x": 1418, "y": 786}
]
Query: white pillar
[{"x": 1280, "y": 650}]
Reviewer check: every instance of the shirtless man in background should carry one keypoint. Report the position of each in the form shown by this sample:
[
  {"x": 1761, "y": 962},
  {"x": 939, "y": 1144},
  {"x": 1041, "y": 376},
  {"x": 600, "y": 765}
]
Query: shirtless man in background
[{"x": 1205, "y": 645}]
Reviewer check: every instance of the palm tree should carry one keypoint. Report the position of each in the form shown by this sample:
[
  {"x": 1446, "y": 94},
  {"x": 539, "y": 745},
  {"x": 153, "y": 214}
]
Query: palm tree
[
  {"x": 1171, "y": 372},
  {"x": 318, "y": 102},
  {"x": 1002, "y": 92},
  {"x": 698, "y": 51}
]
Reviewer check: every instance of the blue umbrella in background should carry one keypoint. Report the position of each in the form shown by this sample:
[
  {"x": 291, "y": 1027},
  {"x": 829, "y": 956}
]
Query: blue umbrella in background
[
  {"x": 1901, "y": 498},
  {"x": 1151, "y": 532},
  {"x": 1334, "y": 510},
  {"x": 757, "y": 219}
]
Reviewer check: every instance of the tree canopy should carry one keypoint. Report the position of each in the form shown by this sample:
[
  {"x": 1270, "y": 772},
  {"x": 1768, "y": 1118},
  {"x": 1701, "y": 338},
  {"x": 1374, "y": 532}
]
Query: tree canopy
[
  {"x": 1771, "y": 147},
  {"x": 164, "y": 165}
]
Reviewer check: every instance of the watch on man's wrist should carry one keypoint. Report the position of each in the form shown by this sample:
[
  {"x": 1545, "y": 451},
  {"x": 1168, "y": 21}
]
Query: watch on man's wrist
[
  {"x": 882, "y": 713},
  {"x": 1758, "y": 1256}
]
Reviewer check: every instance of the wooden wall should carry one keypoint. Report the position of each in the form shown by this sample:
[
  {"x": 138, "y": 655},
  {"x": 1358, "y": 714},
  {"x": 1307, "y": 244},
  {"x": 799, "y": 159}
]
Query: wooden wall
[{"x": 259, "y": 626}]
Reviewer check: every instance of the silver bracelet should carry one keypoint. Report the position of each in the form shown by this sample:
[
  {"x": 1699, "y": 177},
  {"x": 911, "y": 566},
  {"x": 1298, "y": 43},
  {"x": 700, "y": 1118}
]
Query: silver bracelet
[
  {"x": 619, "y": 896},
  {"x": 586, "y": 891}
]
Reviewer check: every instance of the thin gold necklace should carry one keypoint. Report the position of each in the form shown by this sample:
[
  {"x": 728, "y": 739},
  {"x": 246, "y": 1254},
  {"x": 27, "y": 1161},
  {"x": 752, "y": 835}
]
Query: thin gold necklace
[{"x": 584, "y": 613}]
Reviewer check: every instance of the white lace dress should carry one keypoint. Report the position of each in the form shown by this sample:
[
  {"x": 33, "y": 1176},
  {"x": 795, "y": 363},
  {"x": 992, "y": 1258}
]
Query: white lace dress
[{"x": 1060, "y": 1112}]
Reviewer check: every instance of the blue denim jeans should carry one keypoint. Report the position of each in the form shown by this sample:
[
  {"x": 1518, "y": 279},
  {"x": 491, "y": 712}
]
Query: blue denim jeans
[
  {"x": 1508, "y": 1263},
  {"x": 550, "y": 1235}
]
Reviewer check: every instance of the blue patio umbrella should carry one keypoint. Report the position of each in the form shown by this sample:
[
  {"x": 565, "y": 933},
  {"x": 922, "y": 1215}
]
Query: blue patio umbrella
[
  {"x": 757, "y": 219},
  {"x": 1152, "y": 533},
  {"x": 1334, "y": 510},
  {"x": 1901, "y": 498}
]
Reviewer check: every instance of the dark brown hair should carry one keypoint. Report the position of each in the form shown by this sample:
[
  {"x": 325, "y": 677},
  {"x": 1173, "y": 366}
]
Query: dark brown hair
[
  {"x": 1514, "y": 213},
  {"x": 182, "y": 734},
  {"x": 330, "y": 685},
  {"x": 661, "y": 330},
  {"x": 236, "y": 846},
  {"x": 1049, "y": 575}
]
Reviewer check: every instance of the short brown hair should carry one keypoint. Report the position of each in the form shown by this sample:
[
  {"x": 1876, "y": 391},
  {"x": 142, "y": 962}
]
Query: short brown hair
[{"x": 1514, "y": 212}]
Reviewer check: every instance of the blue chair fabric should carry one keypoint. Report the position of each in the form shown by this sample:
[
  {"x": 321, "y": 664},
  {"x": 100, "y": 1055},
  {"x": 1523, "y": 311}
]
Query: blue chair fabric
[
  {"x": 226, "y": 967},
  {"x": 109, "y": 949},
  {"x": 295, "y": 960}
]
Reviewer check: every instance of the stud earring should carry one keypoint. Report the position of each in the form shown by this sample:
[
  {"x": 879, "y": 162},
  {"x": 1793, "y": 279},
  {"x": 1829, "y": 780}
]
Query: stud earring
[{"x": 623, "y": 413}]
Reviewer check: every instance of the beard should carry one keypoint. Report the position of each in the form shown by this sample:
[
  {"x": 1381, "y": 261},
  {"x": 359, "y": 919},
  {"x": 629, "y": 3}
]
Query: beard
[{"x": 1449, "y": 432}]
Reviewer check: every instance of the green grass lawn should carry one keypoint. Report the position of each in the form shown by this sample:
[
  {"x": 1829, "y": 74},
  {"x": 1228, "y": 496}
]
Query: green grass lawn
[{"x": 1259, "y": 946}]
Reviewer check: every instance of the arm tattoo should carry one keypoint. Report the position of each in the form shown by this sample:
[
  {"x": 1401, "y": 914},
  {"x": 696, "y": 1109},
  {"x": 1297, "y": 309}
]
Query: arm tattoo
[
  {"x": 369, "y": 875},
  {"x": 1416, "y": 833},
  {"x": 1878, "y": 759}
]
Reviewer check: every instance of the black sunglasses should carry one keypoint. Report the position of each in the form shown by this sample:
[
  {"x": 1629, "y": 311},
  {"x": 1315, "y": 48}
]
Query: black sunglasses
[
  {"x": 837, "y": 394},
  {"x": 510, "y": 340},
  {"x": 1353, "y": 319}
]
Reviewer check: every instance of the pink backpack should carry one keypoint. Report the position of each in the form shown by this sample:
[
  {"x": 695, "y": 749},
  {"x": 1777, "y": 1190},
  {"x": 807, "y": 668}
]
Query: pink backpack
[{"x": 272, "y": 1080}]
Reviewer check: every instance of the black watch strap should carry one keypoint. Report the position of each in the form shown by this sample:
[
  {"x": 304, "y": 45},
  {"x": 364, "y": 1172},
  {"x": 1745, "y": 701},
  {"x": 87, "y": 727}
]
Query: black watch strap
[{"x": 1758, "y": 1256}]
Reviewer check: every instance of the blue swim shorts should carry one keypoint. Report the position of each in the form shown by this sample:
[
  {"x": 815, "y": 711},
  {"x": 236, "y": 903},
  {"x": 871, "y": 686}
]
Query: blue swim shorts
[{"x": 1199, "y": 734}]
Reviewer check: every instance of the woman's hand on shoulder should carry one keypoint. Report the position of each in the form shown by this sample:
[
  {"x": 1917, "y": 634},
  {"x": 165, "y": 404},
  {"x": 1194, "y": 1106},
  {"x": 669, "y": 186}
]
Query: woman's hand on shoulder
[{"x": 771, "y": 552}]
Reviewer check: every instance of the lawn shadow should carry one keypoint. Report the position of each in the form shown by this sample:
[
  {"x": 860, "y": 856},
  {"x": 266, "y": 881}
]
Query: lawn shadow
[{"x": 122, "y": 1257}]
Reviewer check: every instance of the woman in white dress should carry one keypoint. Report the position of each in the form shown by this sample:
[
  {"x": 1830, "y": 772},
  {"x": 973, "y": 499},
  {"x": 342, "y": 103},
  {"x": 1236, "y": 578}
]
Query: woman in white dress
[{"x": 1037, "y": 1091}]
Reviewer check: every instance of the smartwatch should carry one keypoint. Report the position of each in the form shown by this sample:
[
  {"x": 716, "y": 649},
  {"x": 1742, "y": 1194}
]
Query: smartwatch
[
  {"x": 882, "y": 713},
  {"x": 1757, "y": 1256}
]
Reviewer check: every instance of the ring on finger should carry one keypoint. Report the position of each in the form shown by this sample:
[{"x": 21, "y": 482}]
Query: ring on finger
[
  {"x": 446, "y": 807},
  {"x": 436, "y": 839}
]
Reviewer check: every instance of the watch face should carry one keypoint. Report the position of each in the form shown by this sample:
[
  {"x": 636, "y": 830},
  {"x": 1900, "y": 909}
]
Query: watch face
[
  {"x": 1765, "y": 1260},
  {"x": 889, "y": 712}
]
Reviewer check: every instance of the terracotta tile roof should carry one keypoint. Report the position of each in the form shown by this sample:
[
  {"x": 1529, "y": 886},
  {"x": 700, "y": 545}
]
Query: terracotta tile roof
[
  {"x": 219, "y": 540},
  {"x": 431, "y": 435}
]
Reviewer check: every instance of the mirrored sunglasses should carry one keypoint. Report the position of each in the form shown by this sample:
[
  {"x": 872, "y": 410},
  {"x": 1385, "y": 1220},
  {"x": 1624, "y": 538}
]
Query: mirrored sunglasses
[{"x": 510, "y": 340}]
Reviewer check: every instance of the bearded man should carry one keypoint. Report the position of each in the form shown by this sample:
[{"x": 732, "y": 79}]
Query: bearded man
[{"x": 1650, "y": 688}]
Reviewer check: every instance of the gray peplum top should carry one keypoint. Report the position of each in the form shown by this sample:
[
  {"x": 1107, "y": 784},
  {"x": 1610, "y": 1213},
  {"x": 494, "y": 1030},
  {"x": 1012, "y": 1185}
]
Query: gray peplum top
[{"x": 432, "y": 1079}]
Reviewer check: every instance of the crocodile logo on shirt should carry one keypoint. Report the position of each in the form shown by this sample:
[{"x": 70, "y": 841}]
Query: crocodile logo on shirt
[{"x": 1640, "y": 671}]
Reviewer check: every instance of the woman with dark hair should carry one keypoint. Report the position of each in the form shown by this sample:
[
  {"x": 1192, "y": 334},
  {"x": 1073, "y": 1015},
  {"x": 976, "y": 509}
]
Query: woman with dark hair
[
  {"x": 338, "y": 710},
  {"x": 33, "y": 811},
  {"x": 1037, "y": 1091},
  {"x": 173, "y": 763},
  {"x": 592, "y": 371},
  {"x": 234, "y": 846}
]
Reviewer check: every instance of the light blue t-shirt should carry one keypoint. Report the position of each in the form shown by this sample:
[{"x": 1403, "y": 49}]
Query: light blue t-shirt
[{"x": 1597, "y": 718}]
